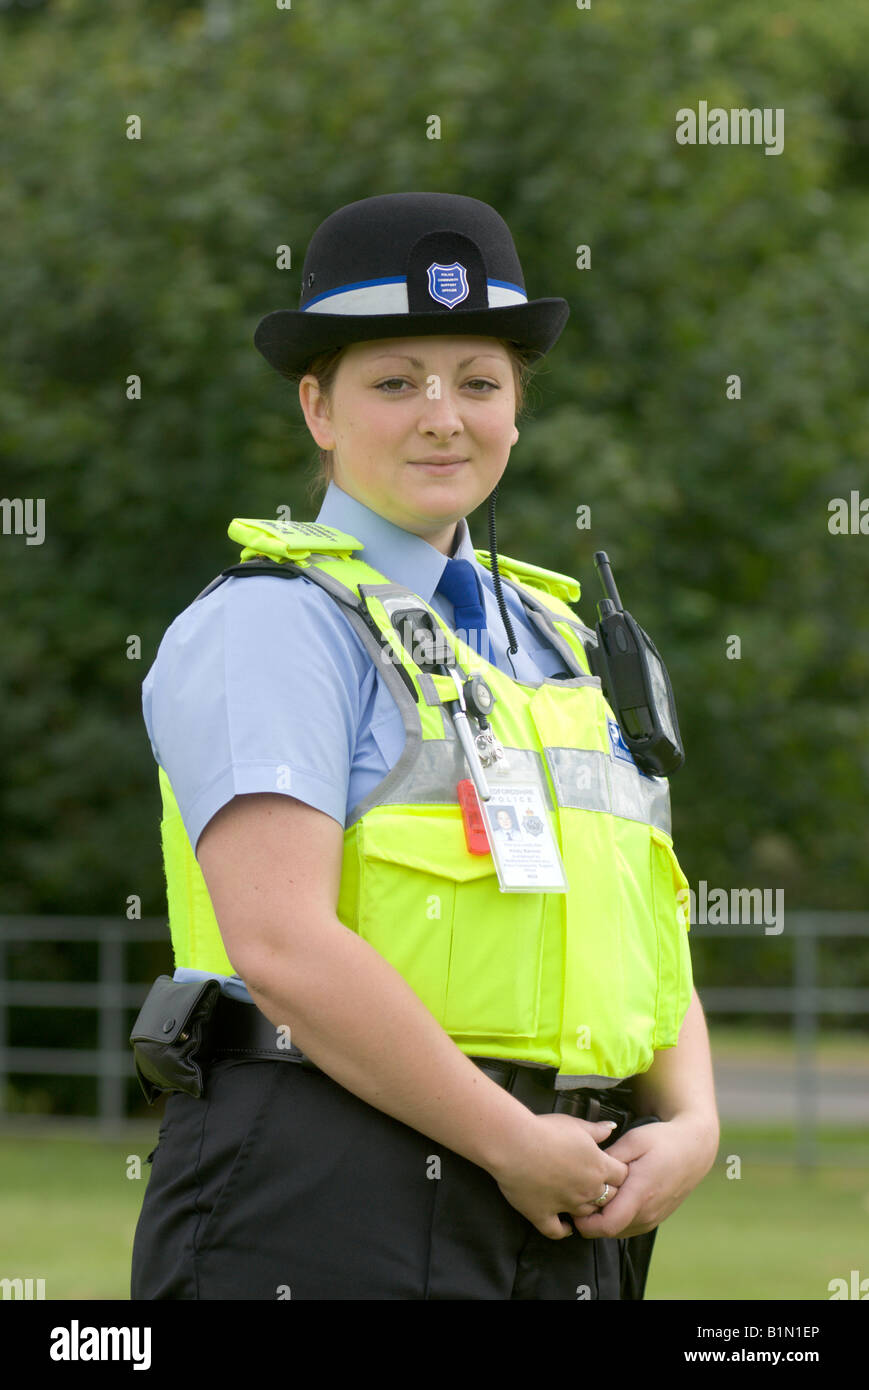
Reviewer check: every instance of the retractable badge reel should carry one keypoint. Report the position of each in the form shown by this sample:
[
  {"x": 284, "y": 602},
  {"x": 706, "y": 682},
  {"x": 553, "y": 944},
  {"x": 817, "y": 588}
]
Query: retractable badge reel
[{"x": 504, "y": 813}]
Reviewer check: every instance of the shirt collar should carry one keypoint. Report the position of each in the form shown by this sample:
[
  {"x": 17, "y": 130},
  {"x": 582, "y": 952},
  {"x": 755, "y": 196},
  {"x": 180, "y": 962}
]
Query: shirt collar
[{"x": 403, "y": 557}]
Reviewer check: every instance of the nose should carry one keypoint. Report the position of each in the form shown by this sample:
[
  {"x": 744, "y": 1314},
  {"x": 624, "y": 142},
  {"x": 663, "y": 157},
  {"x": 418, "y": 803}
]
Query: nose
[{"x": 440, "y": 416}]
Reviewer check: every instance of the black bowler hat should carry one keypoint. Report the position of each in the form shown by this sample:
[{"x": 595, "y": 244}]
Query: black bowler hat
[{"x": 403, "y": 265}]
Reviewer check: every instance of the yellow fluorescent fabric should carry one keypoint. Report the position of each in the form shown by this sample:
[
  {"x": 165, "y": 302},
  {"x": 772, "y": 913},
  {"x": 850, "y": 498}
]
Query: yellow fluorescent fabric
[{"x": 592, "y": 981}]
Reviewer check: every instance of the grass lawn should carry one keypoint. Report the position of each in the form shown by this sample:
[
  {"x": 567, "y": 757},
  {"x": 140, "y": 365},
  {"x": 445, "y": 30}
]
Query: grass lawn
[{"x": 772, "y": 1233}]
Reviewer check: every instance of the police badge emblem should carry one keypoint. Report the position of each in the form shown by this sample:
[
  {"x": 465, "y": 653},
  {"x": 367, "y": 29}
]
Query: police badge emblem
[
  {"x": 619, "y": 748},
  {"x": 448, "y": 284}
]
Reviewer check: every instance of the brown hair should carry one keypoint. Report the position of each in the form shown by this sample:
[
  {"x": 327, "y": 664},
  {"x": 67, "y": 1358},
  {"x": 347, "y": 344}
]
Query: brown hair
[{"x": 325, "y": 367}]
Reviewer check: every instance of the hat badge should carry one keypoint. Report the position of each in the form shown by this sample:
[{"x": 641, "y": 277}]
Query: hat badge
[{"x": 448, "y": 284}]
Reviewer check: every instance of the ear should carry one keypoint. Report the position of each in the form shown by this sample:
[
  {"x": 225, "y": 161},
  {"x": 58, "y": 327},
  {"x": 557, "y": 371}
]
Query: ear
[{"x": 313, "y": 404}]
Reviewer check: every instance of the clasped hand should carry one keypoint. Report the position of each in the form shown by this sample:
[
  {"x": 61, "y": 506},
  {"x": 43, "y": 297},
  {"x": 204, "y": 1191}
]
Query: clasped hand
[{"x": 665, "y": 1162}]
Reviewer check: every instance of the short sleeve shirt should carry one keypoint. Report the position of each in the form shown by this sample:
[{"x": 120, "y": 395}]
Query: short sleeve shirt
[{"x": 263, "y": 685}]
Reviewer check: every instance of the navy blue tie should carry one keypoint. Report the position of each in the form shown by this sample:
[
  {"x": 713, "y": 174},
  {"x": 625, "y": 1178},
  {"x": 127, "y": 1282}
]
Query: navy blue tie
[{"x": 460, "y": 583}]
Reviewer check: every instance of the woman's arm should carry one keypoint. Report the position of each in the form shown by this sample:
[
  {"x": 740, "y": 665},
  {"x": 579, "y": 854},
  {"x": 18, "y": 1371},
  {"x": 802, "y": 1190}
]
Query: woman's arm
[
  {"x": 272, "y": 866},
  {"x": 680, "y": 1080}
]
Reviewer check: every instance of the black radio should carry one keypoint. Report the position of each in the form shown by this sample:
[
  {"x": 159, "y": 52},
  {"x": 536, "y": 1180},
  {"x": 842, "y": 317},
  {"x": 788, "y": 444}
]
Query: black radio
[{"x": 635, "y": 682}]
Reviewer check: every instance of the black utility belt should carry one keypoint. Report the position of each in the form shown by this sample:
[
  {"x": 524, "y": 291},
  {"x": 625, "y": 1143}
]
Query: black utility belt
[{"x": 184, "y": 1025}]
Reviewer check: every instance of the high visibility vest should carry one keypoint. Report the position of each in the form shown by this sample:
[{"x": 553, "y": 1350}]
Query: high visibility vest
[{"x": 592, "y": 981}]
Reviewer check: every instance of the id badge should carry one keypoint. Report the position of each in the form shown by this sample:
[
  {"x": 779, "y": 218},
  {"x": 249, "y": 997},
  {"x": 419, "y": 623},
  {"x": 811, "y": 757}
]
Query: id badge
[{"x": 520, "y": 836}]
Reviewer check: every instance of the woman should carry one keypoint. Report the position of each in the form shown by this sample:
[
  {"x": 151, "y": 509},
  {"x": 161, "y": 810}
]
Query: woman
[{"x": 440, "y": 1066}]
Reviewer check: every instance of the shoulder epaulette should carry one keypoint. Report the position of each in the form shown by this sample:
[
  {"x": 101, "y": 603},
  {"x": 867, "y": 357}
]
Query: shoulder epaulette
[
  {"x": 562, "y": 586},
  {"x": 290, "y": 540}
]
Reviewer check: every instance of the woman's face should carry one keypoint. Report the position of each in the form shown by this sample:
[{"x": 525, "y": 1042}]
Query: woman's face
[{"x": 455, "y": 400}]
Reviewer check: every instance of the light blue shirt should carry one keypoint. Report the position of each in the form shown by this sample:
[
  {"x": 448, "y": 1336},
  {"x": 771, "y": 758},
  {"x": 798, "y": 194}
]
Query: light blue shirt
[{"x": 264, "y": 675}]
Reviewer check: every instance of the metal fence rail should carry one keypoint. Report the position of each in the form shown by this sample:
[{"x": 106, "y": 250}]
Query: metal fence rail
[
  {"x": 803, "y": 999},
  {"x": 111, "y": 995}
]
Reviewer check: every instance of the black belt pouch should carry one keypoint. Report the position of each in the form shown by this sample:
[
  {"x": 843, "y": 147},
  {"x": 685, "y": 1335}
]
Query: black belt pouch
[{"x": 168, "y": 1036}]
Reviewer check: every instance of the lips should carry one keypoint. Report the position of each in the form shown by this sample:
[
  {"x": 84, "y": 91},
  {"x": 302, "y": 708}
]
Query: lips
[{"x": 439, "y": 463}]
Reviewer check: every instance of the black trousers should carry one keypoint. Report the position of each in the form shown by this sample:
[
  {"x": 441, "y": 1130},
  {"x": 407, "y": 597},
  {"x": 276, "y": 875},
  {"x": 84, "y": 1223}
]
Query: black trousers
[{"x": 280, "y": 1183}]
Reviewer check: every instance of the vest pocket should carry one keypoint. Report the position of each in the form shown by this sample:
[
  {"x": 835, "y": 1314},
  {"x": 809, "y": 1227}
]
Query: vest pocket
[
  {"x": 472, "y": 953},
  {"x": 670, "y": 905}
]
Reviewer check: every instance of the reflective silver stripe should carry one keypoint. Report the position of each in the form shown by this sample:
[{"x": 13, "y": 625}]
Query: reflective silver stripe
[
  {"x": 413, "y": 740},
  {"x": 587, "y": 780},
  {"x": 449, "y": 727},
  {"x": 584, "y": 780},
  {"x": 636, "y": 797},
  {"x": 441, "y": 764},
  {"x": 342, "y": 592},
  {"x": 427, "y": 686},
  {"x": 395, "y": 597},
  {"x": 580, "y": 777},
  {"x": 600, "y": 1083}
]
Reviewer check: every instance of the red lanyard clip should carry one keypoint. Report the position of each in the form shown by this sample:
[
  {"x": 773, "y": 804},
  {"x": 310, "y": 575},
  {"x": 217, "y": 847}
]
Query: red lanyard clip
[{"x": 476, "y": 836}]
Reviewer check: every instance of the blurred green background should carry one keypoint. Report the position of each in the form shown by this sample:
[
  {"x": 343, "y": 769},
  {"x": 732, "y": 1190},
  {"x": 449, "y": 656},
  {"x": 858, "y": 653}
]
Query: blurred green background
[{"x": 156, "y": 257}]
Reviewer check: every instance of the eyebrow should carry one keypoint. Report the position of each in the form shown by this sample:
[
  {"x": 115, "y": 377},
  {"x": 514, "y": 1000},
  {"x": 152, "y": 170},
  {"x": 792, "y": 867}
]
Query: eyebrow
[{"x": 415, "y": 362}]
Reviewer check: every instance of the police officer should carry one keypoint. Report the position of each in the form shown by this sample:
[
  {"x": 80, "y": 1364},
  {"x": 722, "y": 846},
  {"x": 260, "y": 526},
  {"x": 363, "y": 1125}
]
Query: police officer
[{"x": 404, "y": 1057}]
